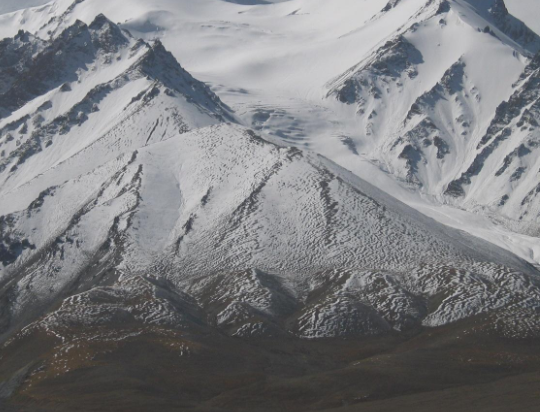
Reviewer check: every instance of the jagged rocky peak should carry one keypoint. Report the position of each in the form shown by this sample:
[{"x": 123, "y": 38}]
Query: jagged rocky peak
[
  {"x": 101, "y": 22},
  {"x": 158, "y": 52},
  {"x": 92, "y": 63},
  {"x": 107, "y": 35},
  {"x": 498, "y": 9},
  {"x": 23, "y": 36},
  {"x": 67, "y": 35},
  {"x": 23, "y": 43},
  {"x": 494, "y": 8},
  {"x": 160, "y": 64},
  {"x": 102, "y": 33},
  {"x": 15, "y": 54},
  {"x": 452, "y": 80},
  {"x": 496, "y": 13},
  {"x": 442, "y": 6},
  {"x": 44, "y": 65},
  {"x": 396, "y": 58},
  {"x": 56, "y": 62},
  {"x": 390, "y": 5}
]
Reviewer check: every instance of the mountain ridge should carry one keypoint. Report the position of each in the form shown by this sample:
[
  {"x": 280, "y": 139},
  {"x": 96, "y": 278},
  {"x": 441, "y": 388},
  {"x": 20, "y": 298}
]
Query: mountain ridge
[
  {"x": 157, "y": 230},
  {"x": 104, "y": 225}
]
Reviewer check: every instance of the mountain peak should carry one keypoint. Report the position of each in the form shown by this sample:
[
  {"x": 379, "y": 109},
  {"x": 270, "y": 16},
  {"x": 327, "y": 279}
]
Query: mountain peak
[
  {"x": 106, "y": 34},
  {"x": 100, "y": 21},
  {"x": 497, "y": 14},
  {"x": 23, "y": 36},
  {"x": 443, "y": 7},
  {"x": 499, "y": 8}
]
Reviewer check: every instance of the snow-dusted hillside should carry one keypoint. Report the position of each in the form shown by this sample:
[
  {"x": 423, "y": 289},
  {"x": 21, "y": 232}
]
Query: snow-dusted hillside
[
  {"x": 293, "y": 70},
  {"x": 85, "y": 178},
  {"x": 202, "y": 206},
  {"x": 192, "y": 176},
  {"x": 117, "y": 164}
]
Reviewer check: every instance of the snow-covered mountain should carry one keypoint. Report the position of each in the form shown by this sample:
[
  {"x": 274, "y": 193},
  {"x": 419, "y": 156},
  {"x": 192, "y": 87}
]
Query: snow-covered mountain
[
  {"x": 77, "y": 106},
  {"x": 118, "y": 163},
  {"x": 434, "y": 137},
  {"x": 84, "y": 102},
  {"x": 268, "y": 200},
  {"x": 294, "y": 70}
]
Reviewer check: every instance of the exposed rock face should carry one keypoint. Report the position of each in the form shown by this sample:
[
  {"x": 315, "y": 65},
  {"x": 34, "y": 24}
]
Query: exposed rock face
[
  {"x": 508, "y": 24},
  {"x": 16, "y": 54},
  {"x": 387, "y": 65}
]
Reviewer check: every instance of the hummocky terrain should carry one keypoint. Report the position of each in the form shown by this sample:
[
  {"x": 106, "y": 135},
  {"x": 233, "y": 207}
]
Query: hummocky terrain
[{"x": 293, "y": 232}]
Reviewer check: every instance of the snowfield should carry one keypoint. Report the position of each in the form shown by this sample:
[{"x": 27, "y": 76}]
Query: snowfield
[
  {"x": 285, "y": 69},
  {"x": 303, "y": 167}
]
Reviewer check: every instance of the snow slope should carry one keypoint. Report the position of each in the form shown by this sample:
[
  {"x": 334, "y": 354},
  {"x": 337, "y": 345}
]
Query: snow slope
[
  {"x": 119, "y": 168},
  {"x": 281, "y": 67},
  {"x": 9, "y": 6}
]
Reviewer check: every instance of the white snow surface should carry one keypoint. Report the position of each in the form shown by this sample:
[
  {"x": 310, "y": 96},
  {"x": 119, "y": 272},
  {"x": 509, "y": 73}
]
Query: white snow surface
[
  {"x": 275, "y": 63},
  {"x": 115, "y": 157}
]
